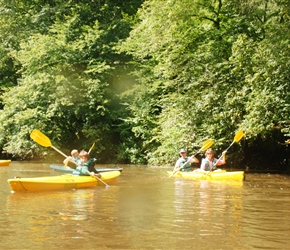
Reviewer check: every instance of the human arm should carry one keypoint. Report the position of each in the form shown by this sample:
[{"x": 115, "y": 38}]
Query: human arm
[
  {"x": 222, "y": 159},
  {"x": 177, "y": 165},
  {"x": 91, "y": 166},
  {"x": 193, "y": 159},
  {"x": 67, "y": 160}
]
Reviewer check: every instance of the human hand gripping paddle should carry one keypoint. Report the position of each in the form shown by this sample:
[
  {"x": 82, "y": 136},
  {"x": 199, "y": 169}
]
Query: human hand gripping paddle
[
  {"x": 207, "y": 144},
  {"x": 239, "y": 135},
  {"x": 44, "y": 141}
]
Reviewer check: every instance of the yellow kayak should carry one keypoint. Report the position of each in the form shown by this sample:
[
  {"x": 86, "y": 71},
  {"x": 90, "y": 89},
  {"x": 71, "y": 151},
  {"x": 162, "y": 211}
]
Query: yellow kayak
[
  {"x": 215, "y": 175},
  {"x": 5, "y": 163},
  {"x": 59, "y": 182}
]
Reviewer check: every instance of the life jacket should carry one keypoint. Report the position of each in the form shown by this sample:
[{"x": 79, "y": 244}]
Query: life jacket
[
  {"x": 81, "y": 170},
  {"x": 84, "y": 169},
  {"x": 76, "y": 159},
  {"x": 207, "y": 164},
  {"x": 187, "y": 166}
]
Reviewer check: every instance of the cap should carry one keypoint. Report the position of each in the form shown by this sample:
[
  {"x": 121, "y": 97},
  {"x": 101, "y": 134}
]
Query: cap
[{"x": 182, "y": 150}]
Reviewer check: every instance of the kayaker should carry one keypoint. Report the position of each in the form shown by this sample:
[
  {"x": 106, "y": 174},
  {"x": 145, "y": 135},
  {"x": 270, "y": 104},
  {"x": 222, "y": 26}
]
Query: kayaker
[
  {"x": 73, "y": 158},
  {"x": 184, "y": 162},
  {"x": 210, "y": 163},
  {"x": 87, "y": 165}
]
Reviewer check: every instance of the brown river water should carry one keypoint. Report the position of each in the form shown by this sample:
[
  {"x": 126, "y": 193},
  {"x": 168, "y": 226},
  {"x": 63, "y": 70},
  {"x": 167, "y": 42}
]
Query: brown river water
[{"x": 146, "y": 210}]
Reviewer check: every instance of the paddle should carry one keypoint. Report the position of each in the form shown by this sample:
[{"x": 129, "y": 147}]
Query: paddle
[
  {"x": 239, "y": 135},
  {"x": 91, "y": 148},
  {"x": 44, "y": 141},
  {"x": 207, "y": 144}
]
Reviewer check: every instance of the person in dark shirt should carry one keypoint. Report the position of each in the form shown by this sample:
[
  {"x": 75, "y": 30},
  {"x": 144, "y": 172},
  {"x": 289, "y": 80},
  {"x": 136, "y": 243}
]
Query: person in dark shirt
[{"x": 87, "y": 165}]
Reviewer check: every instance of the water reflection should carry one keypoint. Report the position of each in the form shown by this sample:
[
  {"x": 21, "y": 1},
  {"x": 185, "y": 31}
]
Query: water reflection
[
  {"x": 148, "y": 210},
  {"x": 209, "y": 209},
  {"x": 65, "y": 214}
]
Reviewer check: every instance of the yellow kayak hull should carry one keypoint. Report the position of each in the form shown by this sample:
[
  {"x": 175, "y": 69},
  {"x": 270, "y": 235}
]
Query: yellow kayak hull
[
  {"x": 60, "y": 182},
  {"x": 5, "y": 163},
  {"x": 216, "y": 175}
]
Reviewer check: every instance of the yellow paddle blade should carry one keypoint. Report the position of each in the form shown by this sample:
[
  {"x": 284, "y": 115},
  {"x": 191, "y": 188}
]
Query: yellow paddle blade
[
  {"x": 239, "y": 135},
  {"x": 91, "y": 148},
  {"x": 40, "y": 138},
  {"x": 207, "y": 144}
]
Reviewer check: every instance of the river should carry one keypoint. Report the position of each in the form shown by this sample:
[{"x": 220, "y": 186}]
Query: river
[{"x": 146, "y": 210}]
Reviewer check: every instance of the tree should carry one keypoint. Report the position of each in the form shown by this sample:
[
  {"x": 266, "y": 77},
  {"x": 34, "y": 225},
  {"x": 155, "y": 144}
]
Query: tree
[
  {"x": 66, "y": 63},
  {"x": 208, "y": 60}
]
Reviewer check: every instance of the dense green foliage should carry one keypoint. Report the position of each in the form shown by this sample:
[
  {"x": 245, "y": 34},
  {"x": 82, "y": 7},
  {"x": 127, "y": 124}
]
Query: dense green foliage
[
  {"x": 142, "y": 81},
  {"x": 65, "y": 66},
  {"x": 211, "y": 68}
]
